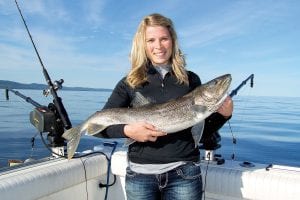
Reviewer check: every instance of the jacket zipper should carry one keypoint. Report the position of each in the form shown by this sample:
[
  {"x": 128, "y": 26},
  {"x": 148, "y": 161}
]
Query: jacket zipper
[{"x": 161, "y": 83}]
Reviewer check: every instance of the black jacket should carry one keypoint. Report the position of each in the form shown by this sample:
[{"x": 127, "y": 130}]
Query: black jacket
[{"x": 174, "y": 147}]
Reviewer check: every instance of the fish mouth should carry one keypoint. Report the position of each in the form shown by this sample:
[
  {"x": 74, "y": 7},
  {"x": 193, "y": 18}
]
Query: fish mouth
[
  {"x": 227, "y": 82},
  {"x": 219, "y": 103}
]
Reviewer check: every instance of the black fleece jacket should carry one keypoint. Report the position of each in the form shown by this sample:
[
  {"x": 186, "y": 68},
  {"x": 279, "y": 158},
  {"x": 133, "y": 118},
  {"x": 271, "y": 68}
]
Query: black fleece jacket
[{"x": 173, "y": 147}]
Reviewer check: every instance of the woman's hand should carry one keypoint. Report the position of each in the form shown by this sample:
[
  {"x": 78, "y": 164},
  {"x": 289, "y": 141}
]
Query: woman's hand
[
  {"x": 226, "y": 108},
  {"x": 142, "y": 132}
]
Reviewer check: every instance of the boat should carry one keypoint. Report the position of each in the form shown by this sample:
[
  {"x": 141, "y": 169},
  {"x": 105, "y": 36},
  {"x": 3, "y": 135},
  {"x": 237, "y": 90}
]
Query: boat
[{"x": 100, "y": 174}]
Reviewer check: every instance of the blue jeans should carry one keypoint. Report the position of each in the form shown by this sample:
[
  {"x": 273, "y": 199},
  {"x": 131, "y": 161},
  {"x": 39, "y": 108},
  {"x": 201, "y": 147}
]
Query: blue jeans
[{"x": 182, "y": 183}]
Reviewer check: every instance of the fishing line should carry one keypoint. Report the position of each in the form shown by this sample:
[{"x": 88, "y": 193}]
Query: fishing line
[
  {"x": 85, "y": 177},
  {"x": 233, "y": 141},
  {"x": 241, "y": 118},
  {"x": 52, "y": 87},
  {"x": 241, "y": 103},
  {"x": 205, "y": 177},
  {"x": 64, "y": 156},
  {"x": 103, "y": 185},
  {"x": 19, "y": 104},
  {"x": 63, "y": 116},
  {"x": 35, "y": 49},
  {"x": 32, "y": 140},
  {"x": 107, "y": 184}
]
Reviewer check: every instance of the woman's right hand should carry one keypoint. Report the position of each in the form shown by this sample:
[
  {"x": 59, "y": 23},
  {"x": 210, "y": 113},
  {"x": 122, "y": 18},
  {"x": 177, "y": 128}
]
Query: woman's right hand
[{"x": 142, "y": 132}]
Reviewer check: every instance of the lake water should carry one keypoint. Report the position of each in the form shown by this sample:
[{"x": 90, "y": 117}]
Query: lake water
[{"x": 267, "y": 129}]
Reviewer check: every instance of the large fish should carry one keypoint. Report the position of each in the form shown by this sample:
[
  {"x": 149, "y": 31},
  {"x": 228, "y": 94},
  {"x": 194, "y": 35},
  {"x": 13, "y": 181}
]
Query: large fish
[{"x": 172, "y": 116}]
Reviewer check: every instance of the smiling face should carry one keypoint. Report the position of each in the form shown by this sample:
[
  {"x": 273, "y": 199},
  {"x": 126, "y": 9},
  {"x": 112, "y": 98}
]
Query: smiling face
[{"x": 158, "y": 45}]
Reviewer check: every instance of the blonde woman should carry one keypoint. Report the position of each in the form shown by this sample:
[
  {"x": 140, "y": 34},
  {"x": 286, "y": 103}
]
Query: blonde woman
[{"x": 160, "y": 166}]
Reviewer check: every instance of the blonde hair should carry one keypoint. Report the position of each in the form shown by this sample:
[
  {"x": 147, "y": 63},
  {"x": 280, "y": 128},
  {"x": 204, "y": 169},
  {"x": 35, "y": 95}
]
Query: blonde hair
[{"x": 138, "y": 57}]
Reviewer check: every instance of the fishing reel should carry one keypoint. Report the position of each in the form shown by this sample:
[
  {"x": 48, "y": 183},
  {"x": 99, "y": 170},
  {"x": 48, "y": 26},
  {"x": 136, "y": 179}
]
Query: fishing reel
[
  {"x": 57, "y": 85},
  {"x": 54, "y": 118},
  {"x": 210, "y": 143},
  {"x": 45, "y": 120}
]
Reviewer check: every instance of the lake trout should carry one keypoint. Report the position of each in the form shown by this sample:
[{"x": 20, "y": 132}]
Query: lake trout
[{"x": 170, "y": 117}]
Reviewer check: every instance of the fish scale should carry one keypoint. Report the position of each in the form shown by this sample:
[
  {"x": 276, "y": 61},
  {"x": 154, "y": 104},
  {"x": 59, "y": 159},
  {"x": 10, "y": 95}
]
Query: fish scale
[{"x": 172, "y": 116}]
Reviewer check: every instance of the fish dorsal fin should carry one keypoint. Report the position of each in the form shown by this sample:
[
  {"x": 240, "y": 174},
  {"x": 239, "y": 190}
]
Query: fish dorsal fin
[
  {"x": 93, "y": 129},
  {"x": 139, "y": 100}
]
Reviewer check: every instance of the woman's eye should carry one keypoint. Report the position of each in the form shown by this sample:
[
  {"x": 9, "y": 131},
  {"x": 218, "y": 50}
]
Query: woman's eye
[{"x": 150, "y": 40}]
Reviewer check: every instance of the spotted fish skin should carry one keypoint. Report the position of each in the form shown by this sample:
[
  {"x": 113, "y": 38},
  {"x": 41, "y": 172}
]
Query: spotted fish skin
[{"x": 173, "y": 116}]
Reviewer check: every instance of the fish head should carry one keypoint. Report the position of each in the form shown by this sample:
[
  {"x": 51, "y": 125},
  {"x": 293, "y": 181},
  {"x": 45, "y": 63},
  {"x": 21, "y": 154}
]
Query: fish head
[{"x": 213, "y": 93}]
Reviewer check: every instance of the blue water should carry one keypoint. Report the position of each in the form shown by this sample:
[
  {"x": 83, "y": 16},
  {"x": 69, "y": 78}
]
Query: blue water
[{"x": 267, "y": 129}]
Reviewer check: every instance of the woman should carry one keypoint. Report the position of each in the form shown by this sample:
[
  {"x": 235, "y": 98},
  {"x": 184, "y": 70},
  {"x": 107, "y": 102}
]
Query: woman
[{"x": 160, "y": 166}]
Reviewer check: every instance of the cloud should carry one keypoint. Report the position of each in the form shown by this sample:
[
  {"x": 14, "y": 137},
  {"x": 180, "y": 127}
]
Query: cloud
[
  {"x": 238, "y": 18},
  {"x": 55, "y": 50},
  {"x": 14, "y": 58},
  {"x": 93, "y": 11},
  {"x": 92, "y": 38}
]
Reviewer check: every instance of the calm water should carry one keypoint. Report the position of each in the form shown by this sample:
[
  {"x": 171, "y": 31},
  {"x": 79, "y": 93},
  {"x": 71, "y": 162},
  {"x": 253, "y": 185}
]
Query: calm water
[{"x": 267, "y": 129}]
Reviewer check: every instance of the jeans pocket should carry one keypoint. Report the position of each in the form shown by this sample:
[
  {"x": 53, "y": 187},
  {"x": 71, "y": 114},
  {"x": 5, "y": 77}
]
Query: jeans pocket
[
  {"x": 130, "y": 173},
  {"x": 189, "y": 171}
]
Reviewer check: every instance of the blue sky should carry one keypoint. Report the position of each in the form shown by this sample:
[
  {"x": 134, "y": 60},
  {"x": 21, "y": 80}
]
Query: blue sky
[{"x": 87, "y": 42}]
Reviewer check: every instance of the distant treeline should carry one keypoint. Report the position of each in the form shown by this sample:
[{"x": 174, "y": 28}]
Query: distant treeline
[{"x": 35, "y": 86}]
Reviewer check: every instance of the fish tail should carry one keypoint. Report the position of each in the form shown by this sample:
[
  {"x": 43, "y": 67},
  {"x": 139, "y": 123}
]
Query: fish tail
[{"x": 73, "y": 136}]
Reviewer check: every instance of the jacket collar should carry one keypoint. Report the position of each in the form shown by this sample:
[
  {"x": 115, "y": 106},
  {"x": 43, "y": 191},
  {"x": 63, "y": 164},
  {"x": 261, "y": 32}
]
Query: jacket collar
[{"x": 152, "y": 70}]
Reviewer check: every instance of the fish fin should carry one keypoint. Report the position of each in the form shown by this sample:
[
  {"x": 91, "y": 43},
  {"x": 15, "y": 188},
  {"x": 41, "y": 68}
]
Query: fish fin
[
  {"x": 68, "y": 134},
  {"x": 93, "y": 129},
  {"x": 128, "y": 142},
  {"x": 199, "y": 108},
  {"x": 73, "y": 136},
  {"x": 197, "y": 132},
  {"x": 139, "y": 100}
]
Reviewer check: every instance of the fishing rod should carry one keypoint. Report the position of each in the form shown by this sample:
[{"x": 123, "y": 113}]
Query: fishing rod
[
  {"x": 42, "y": 117},
  {"x": 53, "y": 118},
  {"x": 235, "y": 91},
  {"x": 27, "y": 99},
  {"x": 52, "y": 87},
  {"x": 211, "y": 143}
]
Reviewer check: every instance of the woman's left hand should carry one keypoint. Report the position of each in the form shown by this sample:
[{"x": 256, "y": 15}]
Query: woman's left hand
[{"x": 226, "y": 108}]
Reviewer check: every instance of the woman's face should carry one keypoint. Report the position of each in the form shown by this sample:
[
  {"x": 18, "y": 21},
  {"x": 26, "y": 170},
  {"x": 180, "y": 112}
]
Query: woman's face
[{"x": 158, "y": 45}]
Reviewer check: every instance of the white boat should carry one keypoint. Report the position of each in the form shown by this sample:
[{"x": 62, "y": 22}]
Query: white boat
[
  {"x": 94, "y": 176},
  {"x": 87, "y": 178},
  {"x": 80, "y": 178}
]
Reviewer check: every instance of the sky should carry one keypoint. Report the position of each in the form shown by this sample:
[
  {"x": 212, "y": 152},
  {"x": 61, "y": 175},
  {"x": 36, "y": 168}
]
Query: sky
[{"x": 87, "y": 42}]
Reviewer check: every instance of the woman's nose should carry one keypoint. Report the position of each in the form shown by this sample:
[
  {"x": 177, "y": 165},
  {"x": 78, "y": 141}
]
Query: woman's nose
[{"x": 157, "y": 44}]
